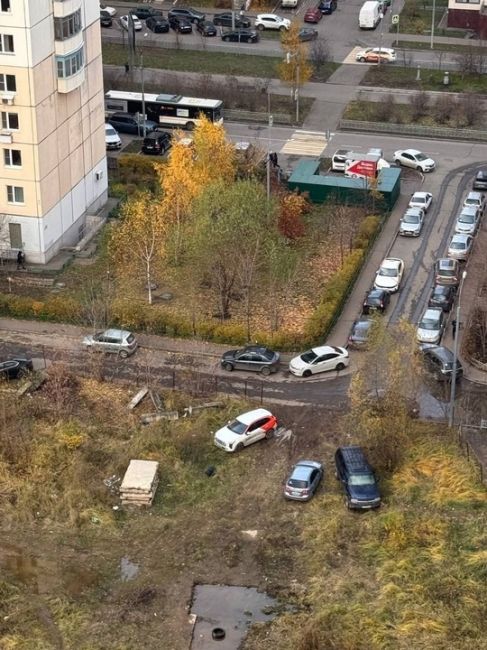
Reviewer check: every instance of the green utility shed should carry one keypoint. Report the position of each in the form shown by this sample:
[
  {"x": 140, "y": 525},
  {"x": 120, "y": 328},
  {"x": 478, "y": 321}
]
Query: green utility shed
[{"x": 340, "y": 189}]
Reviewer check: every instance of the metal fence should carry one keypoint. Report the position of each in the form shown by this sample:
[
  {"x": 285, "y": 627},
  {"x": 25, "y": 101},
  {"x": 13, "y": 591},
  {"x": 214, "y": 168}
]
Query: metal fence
[{"x": 437, "y": 132}]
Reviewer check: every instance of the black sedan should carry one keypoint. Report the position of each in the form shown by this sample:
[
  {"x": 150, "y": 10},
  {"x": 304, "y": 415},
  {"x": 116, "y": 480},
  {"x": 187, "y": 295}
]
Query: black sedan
[
  {"x": 157, "y": 24},
  {"x": 190, "y": 14},
  {"x": 105, "y": 18},
  {"x": 145, "y": 12},
  {"x": 442, "y": 297},
  {"x": 206, "y": 28},
  {"x": 241, "y": 36},
  {"x": 252, "y": 357},
  {"x": 376, "y": 300},
  {"x": 181, "y": 25},
  {"x": 307, "y": 34},
  {"x": 15, "y": 368},
  {"x": 225, "y": 20}
]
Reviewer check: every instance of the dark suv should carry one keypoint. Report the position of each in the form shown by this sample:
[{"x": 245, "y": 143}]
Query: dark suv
[
  {"x": 128, "y": 123},
  {"x": 145, "y": 12},
  {"x": 156, "y": 143},
  {"x": 439, "y": 361},
  {"x": 190, "y": 14},
  {"x": 357, "y": 477},
  {"x": 480, "y": 180}
]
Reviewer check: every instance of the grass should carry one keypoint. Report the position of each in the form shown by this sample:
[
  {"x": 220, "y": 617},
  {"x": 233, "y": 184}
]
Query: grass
[
  {"x": 405, "y": 77},
  {"x": 415, "y": 18},
  {"x": 440, "y": 47}
]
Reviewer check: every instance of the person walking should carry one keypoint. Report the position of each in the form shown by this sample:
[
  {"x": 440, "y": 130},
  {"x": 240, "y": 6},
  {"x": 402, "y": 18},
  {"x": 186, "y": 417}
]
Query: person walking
[
  {"x": 20, "y": 261},
  {"x": 453, "y": 327}
]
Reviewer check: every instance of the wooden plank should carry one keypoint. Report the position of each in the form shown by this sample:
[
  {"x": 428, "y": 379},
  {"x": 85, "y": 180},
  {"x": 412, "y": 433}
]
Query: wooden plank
[{"x": 138, "y": 398}]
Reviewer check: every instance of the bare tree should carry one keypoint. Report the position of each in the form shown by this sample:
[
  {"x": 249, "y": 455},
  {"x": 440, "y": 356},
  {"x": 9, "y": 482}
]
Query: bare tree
[
  {"x": 385, "y": 108},
  {"x": 445, "y": 107},
  {"x": 419, "y": 105},
  {"x": 319, "y": 54},
  {"x": 468, "y": 108}
]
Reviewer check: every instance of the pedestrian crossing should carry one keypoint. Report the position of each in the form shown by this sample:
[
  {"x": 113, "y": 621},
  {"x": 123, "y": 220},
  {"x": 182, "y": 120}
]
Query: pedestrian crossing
[{"x": 305, "y": 143}]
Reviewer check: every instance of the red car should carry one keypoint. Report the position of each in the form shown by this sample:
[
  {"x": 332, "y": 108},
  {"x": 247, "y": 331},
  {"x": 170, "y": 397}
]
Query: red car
[{"x": 313, "y": 15}]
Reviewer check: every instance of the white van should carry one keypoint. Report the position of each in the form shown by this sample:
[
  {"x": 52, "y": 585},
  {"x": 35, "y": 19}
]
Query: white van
[
  {"x": 289, "y": 4},
  {"x": 370, "y": 15}
]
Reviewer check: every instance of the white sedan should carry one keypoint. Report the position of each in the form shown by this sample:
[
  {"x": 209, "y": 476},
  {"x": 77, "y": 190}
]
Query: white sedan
[
  {"x": 421, "y": 200},
  {"x": 320, "y": 359},
  {"x": 389, "y": 274},
  {"x": 246, "y": 429},
  {"x": 110, "y": 10},
  {"x": 272, "y": 21},
  {"x": 460, "y": 246},
  {"x": 415, "y": 159},
  {"x": 124, "y": 22}
]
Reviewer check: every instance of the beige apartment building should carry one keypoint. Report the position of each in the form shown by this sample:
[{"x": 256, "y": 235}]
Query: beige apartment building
[{"x": 53, "y": 161}]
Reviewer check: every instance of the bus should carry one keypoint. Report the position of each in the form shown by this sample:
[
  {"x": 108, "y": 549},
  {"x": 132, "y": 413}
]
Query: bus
[{"x": 166, "y": 110}]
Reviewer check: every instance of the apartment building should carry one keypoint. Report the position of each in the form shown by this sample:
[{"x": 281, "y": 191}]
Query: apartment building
[
  {"x": 53, "y": 161},
  {"x": 468, "y": 14}
]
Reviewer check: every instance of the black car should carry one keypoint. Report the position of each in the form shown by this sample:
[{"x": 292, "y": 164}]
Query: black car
[
  {"x": 145, "y": 12},
  {"x": 206, "y": 28},
  {"x": 307, "y": 34},
  {"x": 225, "y": 20},
  {"x": 252, "y": 357},
  {"x": 157, "y": 24},
  {"x": 442, "y": 297},
  {"x": 241, "y": 36},
  {"x": 187, "y": 12},
  {"x": 480, "y": 181},
  {"x": 327, "y": 6},
  {"x": 156, "y": 143},
  {"x": 439, "y": 362},
  {"x": 15, "y": 368},
  {"x": 105, "y": 18},
  {"x": 359, "y": 336},
  {"x": 357, "y": 477},
  {"x": 180, "y": 24},
  {"x": 376, "y": 300}
]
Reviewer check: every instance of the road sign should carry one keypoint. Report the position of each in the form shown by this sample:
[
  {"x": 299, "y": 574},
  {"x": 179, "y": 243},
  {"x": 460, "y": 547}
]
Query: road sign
[{"x": 395, "y": 19}]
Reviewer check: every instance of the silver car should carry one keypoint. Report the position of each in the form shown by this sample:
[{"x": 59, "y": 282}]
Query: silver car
[
  {"x": 431, "y": 326},
  {"x": 112, "y": 341},
  {"x": 468, "y": 221},
  {"x": 476, "y": 199},
  {"x": 460, "y": 247},
  {"x": 303, "y": 481},
  {"x": 411, "y": 222}
]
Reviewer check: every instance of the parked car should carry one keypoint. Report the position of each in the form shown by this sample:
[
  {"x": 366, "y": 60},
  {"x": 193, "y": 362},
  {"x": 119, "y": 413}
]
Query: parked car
[
  {"x": 145, "y": 12},
  {"x": 327, "y": 7},
  {"x": 460, "y": 246},
  {"x": 124, "y": 22},
  {"x": 357, "y": 477},
  {"x": 480, "y": 181},
  {"x": 206, "y": 28},
  {"x": 376, "y": 300},
  {"x": 468, "y": 220},
  {"x": 190, "y": 14},
  {"x": 156, "y": 143},
  {"x": 421, "y": 200},
  {"x": 105, "y": 19},
  {"x": 447, "y": 271},
  {"x": 411, "y": 223},
  {"x": 415, "y": 159},
  {"x": 477, "y": 200},
  {"x": 359, "y": 336},
  {"x": 112, "y": 139},
  {"x": 442, "y": 297},
  {"x": 241, "y": 36},
  {"x": 225, "y": 20},
  {"x": 312, "y": 15},
  {"x": 157, "y": 24},
  {"x": 180, "y": 24},
  {"x": 303, "y": 481},
  {"x": 307, "y": 34},
  {"x": 112, "y": 341},
  {"x": 439, "y": 361},
  {"x": 252, "y": 357},
  {"x": 373, "y": 54},
  {"x": 245, "y": 430},
  {"x": 128, "y": 123},
  {"x": 15, "y": 368},
  {"x": 110, "y": 10},
  {"x": 389, "y": 274},
  {"x": 319, "y": 359},
  {"x": 272, "y": 21},
  {"x": 431, "y": 326}
]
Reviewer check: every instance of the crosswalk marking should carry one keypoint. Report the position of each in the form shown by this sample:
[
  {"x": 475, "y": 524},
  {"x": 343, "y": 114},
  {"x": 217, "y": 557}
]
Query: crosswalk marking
[
  {"x": 350, "y": 58},
  {"x": 305, "y": 143}
]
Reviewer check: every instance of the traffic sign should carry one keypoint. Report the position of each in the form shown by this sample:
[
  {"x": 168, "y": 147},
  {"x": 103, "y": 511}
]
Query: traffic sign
[{"x": 395, "y": 19}]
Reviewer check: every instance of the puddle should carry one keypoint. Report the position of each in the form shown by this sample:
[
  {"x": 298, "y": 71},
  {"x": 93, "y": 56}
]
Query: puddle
[
  {"x": 128, "y": 569},
  {"x": 233, "y": 609}
]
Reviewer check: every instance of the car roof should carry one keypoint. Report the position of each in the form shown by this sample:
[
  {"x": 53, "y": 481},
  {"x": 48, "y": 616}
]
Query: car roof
[
  {"x": 270, "y": 16},
  {"x": 446, "y": 263},
  {"x": 439, "y": 351},
  {"x": 326, "y": 349},
  {"x": 469, "y": 209},
  {"x": 252, "y": 416},
  {"x": 375, "y": 292},
  {"x": 474, "y": 195},
  {"x": 256, "y": 348},
  {"x": 391, "y": 262},
  {"x": 413, "y": 152},
  {"x": 421, "y": 194},
  {"x": 432, "y": 312},
  {"x": 460, "y": 237},
  {"x": 301, "y": 472},
  {"x": 117, "y": 333},
  {"x": 443, "y": 288}
]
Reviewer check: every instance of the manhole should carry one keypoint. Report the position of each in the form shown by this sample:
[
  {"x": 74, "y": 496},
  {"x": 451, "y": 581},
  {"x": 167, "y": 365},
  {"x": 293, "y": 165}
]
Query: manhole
[{"x": 218, "y": 633}]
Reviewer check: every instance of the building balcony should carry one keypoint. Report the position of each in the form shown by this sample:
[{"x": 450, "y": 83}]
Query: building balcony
[
  {"x": 63, "y": 48},
  {"x": 67, "y": 84},
  {"x": 65, "y": 7}
]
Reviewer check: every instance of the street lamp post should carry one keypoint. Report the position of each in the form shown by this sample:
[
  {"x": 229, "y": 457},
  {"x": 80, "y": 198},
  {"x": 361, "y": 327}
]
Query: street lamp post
[
  {"x": 141, "y": 65},
  {"x": 381, "y": 34},
  {"x": 290, "y": 56},
  {"x": 433, "y": 14},
  {"x": 269, "y": 127},
  {"x": 451, "y": 410}
]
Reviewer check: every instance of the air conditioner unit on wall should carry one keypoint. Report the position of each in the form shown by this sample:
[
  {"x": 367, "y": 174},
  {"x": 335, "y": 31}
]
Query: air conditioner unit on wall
[
  {"x": 7, "y": 100},
  {"x": 99, "y": 175}
]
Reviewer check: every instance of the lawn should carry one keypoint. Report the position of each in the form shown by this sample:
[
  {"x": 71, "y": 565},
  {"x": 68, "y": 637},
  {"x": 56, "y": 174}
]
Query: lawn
[
  {"x": 471, "y": 48},
  {"x": 405, "y": 77}
]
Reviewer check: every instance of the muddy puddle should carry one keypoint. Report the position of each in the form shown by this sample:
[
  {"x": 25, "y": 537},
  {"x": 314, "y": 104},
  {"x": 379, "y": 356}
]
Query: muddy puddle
[{"x": 231, "y": 609}]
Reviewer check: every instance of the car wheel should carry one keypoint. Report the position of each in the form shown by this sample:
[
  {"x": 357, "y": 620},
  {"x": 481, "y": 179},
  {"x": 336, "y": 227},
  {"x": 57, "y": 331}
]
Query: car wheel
[
  {"x": 123, "y": 354},
  {"x": 419, "y": 168},
  {"x": 340, "y": 366},
  {"x": 362, "y": 59},
  {"x": 269, "y": 434},
  {"x": 228, "y": 367},
  {"x": 226, "y": 39},
  {"x": 260, "y": 27},
  {"x": 266, "y": 371},
  {"x": 307, "y": 373},
  {"x": 282, "y": 28},
  {"x": 190, "y": 126},
  {"x": 398, "y": 162},
  {"x": 239, "y": 447}
]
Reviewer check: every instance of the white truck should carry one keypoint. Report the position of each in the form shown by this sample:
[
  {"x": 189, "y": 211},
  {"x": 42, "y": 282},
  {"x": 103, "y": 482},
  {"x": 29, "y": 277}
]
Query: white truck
[
  {"x": 367, "y": 166},
  {"x": 370, "y": 15},
  {"x": 341, "y": 156}
]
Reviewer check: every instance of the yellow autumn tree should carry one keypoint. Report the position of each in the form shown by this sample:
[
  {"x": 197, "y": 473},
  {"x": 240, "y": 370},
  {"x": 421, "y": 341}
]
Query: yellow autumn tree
[
  {"x": 215, "y": 156},
  {"x": 137, "y": 243},
  {"x": 295, "y": 69}
]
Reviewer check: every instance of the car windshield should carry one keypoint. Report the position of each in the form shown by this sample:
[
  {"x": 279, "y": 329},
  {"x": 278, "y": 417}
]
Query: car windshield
[
  {"x": 362, "y": 479},
  {"x": 295, "y": 483},
  {"x": 421, "y": 156},
  {"x": 411, "y": 218},
  {"x": 457, "y": 245},
  {"x": 110, "y": 131},
  {"x": 439, "y": 294},
  {"x": 309, "y": 356},
  {"x": 429, "y": 324},
  {"x": 130, "y": 338},
  {"x": 361, "y": 330},
  {"x": 372, "y": 300},
  {"x": 466, "y": 218},
  {"x": 389, "y": 273},
  {"x": 237, "y": 427}
]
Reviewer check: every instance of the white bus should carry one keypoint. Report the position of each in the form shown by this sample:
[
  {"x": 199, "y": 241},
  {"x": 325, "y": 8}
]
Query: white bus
[{"x": 166, "y": 110}]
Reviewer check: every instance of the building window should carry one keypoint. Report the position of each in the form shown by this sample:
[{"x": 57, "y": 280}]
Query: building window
[
  {"x": 10, "y": 121},
  {"x": 67, "y": 26},
  {"x": 5, "y": 5},
  {"x": 69, "y": 65},
  {"x": 12, "y": 158},
  {"x": 15, "y": 194},
  {"x": 6, "y": 43},
  {"x": 7, "y": 82}
]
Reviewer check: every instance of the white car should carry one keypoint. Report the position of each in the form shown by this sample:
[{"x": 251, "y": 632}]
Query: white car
[
  {"x": 389, "y": 274},
  {"x": 246, "y": 429},
  {"x": 272, "y": 21},
  {"x": 124, "y": 22},
  {"x": 431, "y": 326},
  {"x": 475, "y": 199},
  {"x": 373, "y": 54},
  {"x": 468, "y": 221},
  {"x": 110, "y": 10},
  {"x": 415, "y": 159},
  {"x": 460, "y": 247},
  {"x": 112, "y": 139},
  {"x": 421, "y": 200},
  {"x": 320, "y": 359},
  {"x": 411, "y": 222}
]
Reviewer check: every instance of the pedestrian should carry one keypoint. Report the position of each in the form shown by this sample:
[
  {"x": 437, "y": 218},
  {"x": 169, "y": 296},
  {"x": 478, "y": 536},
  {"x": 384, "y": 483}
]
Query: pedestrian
[
  {"x": 127, "y": 68},
  {"x": 453, "y": 328},
  {"x": 20, "y": 260}
]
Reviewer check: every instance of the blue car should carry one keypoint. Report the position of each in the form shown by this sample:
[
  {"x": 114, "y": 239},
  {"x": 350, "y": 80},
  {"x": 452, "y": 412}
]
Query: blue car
[{"x": 327, "y": 6}]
